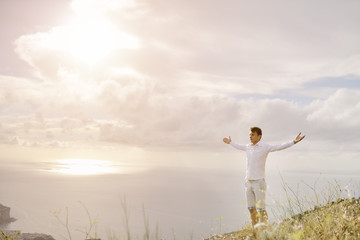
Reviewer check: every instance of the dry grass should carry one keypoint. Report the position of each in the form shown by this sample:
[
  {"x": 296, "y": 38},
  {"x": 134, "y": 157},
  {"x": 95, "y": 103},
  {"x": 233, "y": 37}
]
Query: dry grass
[{"x": 331, "y": 217}]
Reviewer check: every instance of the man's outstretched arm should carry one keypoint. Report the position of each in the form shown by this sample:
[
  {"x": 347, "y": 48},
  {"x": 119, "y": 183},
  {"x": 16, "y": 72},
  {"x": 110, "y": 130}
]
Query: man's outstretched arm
[
  {"x": 285, "y": 145},
  {"x": 235, "y": 145}
]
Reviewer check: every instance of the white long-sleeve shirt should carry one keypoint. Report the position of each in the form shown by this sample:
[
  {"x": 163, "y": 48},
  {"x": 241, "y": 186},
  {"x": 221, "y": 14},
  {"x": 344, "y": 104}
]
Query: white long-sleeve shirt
[{"x": 256, "y": 157}]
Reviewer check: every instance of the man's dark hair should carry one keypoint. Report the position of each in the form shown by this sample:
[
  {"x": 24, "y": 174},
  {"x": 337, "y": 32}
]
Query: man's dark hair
[{"x": 257, "y": 130}]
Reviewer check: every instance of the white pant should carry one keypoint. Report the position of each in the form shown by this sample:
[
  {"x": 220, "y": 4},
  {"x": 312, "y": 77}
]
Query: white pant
[{"x": 255, "y": 194}]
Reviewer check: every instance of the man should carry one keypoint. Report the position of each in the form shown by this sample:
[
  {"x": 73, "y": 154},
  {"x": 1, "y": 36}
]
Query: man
[{"x": 255, "y": 186}]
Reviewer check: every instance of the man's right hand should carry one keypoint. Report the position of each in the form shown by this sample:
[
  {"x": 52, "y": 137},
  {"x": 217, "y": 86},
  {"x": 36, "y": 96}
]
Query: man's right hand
[{"x": 227, "y": 140}]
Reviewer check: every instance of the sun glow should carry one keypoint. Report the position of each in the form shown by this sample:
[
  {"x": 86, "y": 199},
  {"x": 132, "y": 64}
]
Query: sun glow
[
  {"x": 84, "y": 167},
  {"x": 89, "y": 37}
]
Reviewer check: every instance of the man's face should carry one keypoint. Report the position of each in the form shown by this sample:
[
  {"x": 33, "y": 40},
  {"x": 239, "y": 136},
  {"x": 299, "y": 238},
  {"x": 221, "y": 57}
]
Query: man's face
[{"x": 254, "y": 137}]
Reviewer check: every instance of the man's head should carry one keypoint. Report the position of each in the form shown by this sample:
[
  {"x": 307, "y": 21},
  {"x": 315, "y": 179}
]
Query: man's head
[{"x": 255, "y": 135}]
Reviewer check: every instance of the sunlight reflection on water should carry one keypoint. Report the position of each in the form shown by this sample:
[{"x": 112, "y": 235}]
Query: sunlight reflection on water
[{"x": 85, "y": 167}]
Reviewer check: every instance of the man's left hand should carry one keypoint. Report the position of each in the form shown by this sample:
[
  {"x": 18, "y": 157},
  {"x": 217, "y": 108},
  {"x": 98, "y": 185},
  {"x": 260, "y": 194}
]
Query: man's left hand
[{"x": 299, "y": 138}]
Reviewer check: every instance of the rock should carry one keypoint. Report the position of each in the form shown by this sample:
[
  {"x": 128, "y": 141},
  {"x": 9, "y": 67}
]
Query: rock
[
  {"x": 5, "y": 215},
  {"x": 35, "y": 236},
  {"x": 24, "y": 236},
  {"x": 4, "y": 212},
  {"x": 5, "y": 219}
]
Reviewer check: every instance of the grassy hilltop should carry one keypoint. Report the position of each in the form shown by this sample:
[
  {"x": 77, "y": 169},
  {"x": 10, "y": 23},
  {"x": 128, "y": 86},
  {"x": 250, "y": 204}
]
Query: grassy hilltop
[{"x": 336, "y": 220}]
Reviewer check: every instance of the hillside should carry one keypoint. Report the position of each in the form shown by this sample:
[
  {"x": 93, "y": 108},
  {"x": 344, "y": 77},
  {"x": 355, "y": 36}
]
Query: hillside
[{"x": 335, "y": 220}]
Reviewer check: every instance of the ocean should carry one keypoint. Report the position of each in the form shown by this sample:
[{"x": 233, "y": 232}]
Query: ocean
[{"x": 173, "y": 202}]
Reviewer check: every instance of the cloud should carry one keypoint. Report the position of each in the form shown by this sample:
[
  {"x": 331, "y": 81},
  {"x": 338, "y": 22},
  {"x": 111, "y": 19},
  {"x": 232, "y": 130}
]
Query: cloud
[
  {"x": 128, "y": 111},
  {"x": 272, "y": 50},
  {"x": 201, "y": 71},
  {"x": 336, "y": 118},
  {"x": 245, "y": 47},
  {"x": 342, "y": 107}
]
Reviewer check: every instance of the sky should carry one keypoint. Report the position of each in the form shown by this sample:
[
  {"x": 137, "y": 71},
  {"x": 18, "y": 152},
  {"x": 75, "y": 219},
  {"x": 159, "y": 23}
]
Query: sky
[{"x": 165, "y": 81}]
